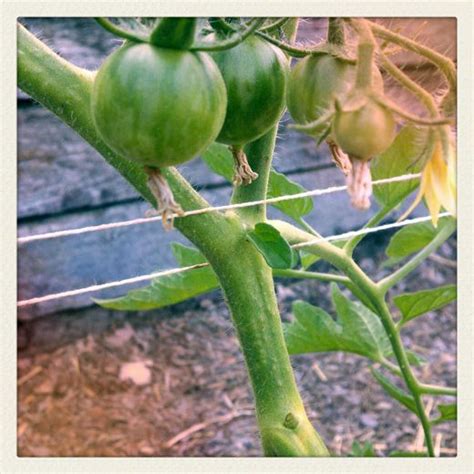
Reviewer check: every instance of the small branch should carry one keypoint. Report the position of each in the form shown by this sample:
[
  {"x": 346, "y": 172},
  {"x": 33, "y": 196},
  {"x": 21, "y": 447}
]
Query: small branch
[
  {"x": 293, "y": 51},
  {"x": 383, "y": 101},
  {"x": 443, "y": 261},
  {"x": 352, "y": 243},
  {"x": 276, "y": 25},
  {"x": 307, "y": 227},
  {"x": 310, "y": 275},
  {"x": 117, "y": 31},
  {"x": 234, "y": 40},
  {"x": 437, "y": 390},
  {"x": 390, "y": 281},
  {"x": 423, "y": 96},
  {"x": 442, "y": 62}
]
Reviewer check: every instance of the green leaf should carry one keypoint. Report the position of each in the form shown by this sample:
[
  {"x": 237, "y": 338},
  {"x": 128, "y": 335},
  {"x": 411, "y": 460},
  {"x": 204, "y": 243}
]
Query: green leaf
[
  {"x": 280, "y": 185},
  {"x": 276, "y": 251},
  {"x": 403, "y": 157},
  {"x": 169, "y": 289},
  {"x": 220, "y": 161},
  {"x": 357, "y": 329},
  {"x": 185, "y": 255},
  {"x": 410, "y": 239},
  {"x": 365, "y": 450},
  {"x": 398, "y": 394},
  {"x": 415, "y": 304},
  {"x": 447, "y": 413}
]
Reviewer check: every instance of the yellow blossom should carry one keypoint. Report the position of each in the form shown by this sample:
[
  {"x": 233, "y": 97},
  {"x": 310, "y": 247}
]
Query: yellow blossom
[{"x": 438, "y": 183}]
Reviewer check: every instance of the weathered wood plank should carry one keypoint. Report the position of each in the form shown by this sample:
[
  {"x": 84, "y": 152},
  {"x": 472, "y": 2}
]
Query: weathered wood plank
[{"x": 58, "y": 171}]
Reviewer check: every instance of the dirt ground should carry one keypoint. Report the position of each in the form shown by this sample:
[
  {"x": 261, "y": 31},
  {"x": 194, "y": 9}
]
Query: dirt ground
[{"x": 172, "y": 382}]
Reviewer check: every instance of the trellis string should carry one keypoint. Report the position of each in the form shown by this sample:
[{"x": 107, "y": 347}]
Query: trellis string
[
  {"x": 95, "y": 288},
  {"x": 195, "y": 212}
]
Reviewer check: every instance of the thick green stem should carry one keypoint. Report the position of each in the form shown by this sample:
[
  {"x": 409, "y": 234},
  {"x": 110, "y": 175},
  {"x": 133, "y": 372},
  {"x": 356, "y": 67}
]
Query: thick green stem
[
  {"x": 175, "y": 33},
  {"x": 248, "y": 286},
  {"x": 365, "y": 54}
]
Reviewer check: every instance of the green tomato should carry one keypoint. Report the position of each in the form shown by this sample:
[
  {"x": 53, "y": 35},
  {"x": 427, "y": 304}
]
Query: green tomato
[
  {"x": 255, "y": 74},
  {"x": 365, "y": 132},
  {"x": 159, "y": 107},
  {"x": 316, "y": 81}
]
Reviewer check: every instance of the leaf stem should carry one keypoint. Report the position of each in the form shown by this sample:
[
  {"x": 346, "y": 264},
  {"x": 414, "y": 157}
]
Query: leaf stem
[
  {"x": 310, "y": 275},
  {"x": 232, "y": 41},
  {"x": 437, "y": 390},
  {"x": 445, "y": 64},
  {"x": 294, "y": 51},
  {"x": 388, "y": 282},
  {"x": 438, "y": 120},
  {"x": 120, "y": 32},
  {"x": 309, "y": 228},
  {"x": 275, "y": 25},
  {"x": 352, "y": 243},
  {"x": 424, "y": 96}
]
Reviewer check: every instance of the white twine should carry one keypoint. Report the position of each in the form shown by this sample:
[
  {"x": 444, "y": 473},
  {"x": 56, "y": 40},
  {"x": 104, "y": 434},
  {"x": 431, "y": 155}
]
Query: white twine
[
  {"x": 146, "y": 220},
  {"x": 128, "y": 281}
]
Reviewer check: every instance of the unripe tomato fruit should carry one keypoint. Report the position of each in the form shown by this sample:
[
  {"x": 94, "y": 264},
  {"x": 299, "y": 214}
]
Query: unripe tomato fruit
[
  {"x": 255, "y": 74},
  {"x": 316, "y": 81},
  {"x": 158, "y": 106},
  {"x": 365, "y": 132}
]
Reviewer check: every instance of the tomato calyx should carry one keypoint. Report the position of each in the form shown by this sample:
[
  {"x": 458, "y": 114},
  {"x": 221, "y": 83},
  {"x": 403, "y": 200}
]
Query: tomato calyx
[
  {"x": 168, "y": 208},
  {"x": 243, "y": 173},
  {"x": 341, "y": 160}
]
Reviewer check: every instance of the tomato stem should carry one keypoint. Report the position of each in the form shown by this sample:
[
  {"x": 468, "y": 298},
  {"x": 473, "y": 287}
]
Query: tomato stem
[
  {"x": 120, "y": 32},
  {"x": 427, "y": 122},
  {"x": 175, "y": 33},
  {"x": 232, "y": 41},
  {"x": 336, "y": 34},
  {"x": 275, "y": 26}
]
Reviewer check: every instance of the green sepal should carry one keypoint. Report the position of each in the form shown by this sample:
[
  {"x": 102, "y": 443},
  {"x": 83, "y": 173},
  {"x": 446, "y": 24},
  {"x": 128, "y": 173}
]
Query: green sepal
[{"x": 174, "y": 33}]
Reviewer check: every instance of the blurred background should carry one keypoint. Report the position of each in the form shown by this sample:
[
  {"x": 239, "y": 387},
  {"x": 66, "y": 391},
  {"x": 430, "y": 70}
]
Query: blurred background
[{"x": 76, "y": 395}]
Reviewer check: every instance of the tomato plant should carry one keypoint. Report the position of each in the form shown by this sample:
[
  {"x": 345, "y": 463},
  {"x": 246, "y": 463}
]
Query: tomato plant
[{"x": 160, "y": 100}]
